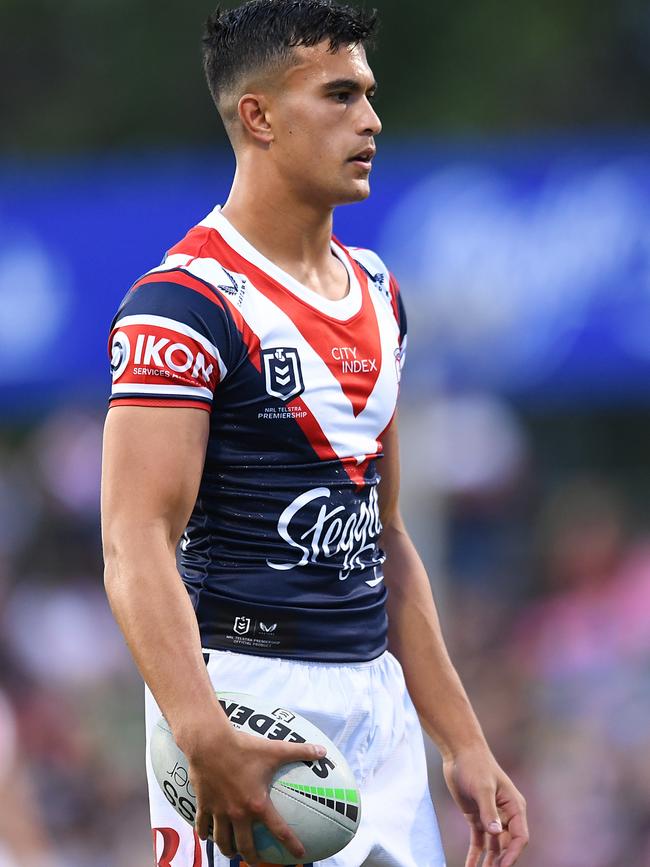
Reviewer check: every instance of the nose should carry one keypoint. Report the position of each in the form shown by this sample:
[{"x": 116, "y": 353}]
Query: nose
[{"x": 372, "y": 124}]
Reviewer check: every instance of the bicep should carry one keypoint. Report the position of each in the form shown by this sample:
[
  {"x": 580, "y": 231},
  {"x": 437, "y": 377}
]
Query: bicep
[{"x": 151, "y": 470}]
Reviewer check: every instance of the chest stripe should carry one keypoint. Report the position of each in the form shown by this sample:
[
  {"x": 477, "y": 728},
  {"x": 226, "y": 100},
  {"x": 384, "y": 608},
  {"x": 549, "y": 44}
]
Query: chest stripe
[{"x": 357, "y": 374}]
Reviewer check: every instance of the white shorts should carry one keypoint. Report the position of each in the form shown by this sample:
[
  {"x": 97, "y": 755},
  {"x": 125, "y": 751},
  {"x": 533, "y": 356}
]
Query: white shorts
[{"x": 365, "y": 709}]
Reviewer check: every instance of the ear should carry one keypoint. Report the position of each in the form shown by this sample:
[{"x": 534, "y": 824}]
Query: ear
[{"x": 252, "y": 109}]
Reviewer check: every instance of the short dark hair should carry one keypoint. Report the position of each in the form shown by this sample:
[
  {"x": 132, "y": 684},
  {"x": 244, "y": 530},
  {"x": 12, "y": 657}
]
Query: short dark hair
[{"x": 262, "y": 33}]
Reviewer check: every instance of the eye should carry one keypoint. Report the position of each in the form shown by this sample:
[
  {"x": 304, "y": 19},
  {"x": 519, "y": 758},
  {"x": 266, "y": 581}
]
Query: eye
[{"x": 342, "y": 96}]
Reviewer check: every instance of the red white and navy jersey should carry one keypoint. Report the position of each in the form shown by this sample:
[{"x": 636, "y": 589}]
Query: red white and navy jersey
[{"x": 280, "y": 555}]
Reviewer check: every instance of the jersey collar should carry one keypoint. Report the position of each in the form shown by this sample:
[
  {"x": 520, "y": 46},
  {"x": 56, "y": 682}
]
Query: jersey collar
[{"x": 341, "y": 309}]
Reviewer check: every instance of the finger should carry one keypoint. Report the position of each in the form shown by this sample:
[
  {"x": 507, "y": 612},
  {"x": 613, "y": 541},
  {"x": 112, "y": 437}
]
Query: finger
[
  {"x": 202, "y": 824},
  {"x": 487, "y": 805},
  {"x": 299, "y": 752},
  {"x": 493, "y": 850},
  {"x": 518, "y": 831},
  {"x": 244, "y": 842},
  {"x": 282, "y": 832},
  {"x": 476, "y": 842},
  {"x": 224, "y": 836}
]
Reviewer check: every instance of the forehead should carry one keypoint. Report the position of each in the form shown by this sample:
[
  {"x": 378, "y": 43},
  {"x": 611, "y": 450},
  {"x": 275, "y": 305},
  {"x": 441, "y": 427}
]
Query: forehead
[{"x": 317, "y": 65}]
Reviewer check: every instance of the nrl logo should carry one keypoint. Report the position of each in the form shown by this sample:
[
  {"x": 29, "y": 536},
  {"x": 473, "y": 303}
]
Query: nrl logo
[
  {"x": 241, "y": 625},
  {"x": 282, "y": 372}
]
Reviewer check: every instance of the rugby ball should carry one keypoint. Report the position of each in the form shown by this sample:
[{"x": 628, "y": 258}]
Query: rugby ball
[{"x": 319, "y": 800}]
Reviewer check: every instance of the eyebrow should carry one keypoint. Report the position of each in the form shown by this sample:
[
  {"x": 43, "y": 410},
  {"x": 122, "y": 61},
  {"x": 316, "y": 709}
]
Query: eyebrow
[{"x": 349, "y": 84}]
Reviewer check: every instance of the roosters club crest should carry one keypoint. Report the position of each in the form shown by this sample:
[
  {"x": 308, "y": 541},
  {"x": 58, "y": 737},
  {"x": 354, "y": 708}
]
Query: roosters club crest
[{"x": 282, "y": 372}]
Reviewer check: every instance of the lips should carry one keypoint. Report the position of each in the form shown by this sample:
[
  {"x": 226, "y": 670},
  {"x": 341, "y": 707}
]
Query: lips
[{"x": 364, "y": 156}]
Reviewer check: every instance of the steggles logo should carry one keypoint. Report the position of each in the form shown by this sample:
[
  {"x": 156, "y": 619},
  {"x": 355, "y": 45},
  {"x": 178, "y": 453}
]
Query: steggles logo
[{"x": 335, "y": 532}]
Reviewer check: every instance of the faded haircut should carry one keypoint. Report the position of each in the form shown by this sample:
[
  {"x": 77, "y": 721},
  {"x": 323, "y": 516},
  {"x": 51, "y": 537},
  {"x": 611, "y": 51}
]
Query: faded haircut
[{"x": 260, "y": 36}]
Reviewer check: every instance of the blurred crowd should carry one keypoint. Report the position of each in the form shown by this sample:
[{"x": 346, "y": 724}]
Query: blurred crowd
[
  {"x": 544, "y": 591},
  {"x": 71, "y": 771}
]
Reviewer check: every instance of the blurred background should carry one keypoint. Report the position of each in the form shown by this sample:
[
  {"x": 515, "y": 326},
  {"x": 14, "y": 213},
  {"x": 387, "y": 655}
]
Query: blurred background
[{"x": 511, "y": 196}]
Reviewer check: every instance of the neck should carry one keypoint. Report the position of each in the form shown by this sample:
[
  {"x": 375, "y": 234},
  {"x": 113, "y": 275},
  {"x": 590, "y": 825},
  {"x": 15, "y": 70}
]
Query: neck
[{"x": 292, "y": 233}]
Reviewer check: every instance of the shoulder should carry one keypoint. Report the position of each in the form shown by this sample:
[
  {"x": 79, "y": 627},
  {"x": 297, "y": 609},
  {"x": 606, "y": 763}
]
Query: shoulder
[
  {"x": 371, "y": 263},
  {"x": 191, "y": 277},
  {"x": 194, "y": 262},
  {"x": 176, "y": 316},
  {"x": 376, "y": 269},
  {"x": 381, "y": 279}
]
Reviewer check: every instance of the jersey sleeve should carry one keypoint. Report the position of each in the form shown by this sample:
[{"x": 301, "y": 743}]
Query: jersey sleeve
[
  {"x": 171, "y": 343},
  {"x": 400, "y": 316},
  {"x": 388, "y": 288}
]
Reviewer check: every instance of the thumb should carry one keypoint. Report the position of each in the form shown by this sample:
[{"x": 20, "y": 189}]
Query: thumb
[
  {"x": 300, "y": 752},
  {"x": 489, "y": 814}
]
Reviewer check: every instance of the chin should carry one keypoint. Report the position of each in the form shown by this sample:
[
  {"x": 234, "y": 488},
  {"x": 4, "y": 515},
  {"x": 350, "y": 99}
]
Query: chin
[{"x": 358, "y": 192}]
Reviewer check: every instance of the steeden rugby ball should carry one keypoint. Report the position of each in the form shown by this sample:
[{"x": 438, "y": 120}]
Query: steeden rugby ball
[{"x": 319, "y": 800}]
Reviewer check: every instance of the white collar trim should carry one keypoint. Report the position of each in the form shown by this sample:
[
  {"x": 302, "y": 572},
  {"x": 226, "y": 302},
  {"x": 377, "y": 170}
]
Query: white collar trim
[{"x": 341, "y": 309}]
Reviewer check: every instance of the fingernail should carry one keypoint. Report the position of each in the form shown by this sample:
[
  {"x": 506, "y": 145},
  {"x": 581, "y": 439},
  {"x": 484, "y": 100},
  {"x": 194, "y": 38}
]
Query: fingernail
[
  {"x": 495, "y": 828},
  {"x": 321, "y": 751}
]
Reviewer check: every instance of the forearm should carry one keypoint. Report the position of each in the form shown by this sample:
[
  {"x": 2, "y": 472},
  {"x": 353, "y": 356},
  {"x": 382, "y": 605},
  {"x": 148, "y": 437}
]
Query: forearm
[
  {"x": 415, "y": 637},
  {"x": 155, "y": 614}
]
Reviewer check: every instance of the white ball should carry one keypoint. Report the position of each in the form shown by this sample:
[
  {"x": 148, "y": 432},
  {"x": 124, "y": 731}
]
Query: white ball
[{"x": 319, "y": 800}]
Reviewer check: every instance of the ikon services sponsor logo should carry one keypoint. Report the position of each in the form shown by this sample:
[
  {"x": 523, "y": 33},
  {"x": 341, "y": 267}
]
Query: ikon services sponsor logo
[
  {"x": 153, "y": 351},
  {"x": 120, "y": 354},
  {"x": 154, "y": 355}
]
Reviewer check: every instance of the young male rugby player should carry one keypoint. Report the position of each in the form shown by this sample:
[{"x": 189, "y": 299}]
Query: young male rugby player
[{"x": 255, "y": 377}]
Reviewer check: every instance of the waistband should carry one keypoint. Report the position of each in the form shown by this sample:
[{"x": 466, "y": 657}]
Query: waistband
[{"x": 210, "y": 652}]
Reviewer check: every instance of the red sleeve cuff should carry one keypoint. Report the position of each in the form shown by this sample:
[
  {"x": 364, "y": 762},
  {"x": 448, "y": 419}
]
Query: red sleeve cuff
[{"x": 143, "y": 401}]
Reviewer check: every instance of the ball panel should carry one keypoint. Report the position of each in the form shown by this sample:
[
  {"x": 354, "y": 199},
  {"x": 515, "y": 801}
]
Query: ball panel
[
  {"x": 171, "y": 771},
  {"x": 321, "y": 834}
]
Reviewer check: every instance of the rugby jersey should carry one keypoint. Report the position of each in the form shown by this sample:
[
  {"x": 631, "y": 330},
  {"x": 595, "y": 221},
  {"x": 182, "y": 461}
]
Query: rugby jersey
[{"x": 281, "y": 554}]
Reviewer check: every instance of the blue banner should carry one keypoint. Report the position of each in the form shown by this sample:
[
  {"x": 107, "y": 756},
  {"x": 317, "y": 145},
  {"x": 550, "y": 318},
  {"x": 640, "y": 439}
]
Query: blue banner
[{"x": 525, "y": 268}]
